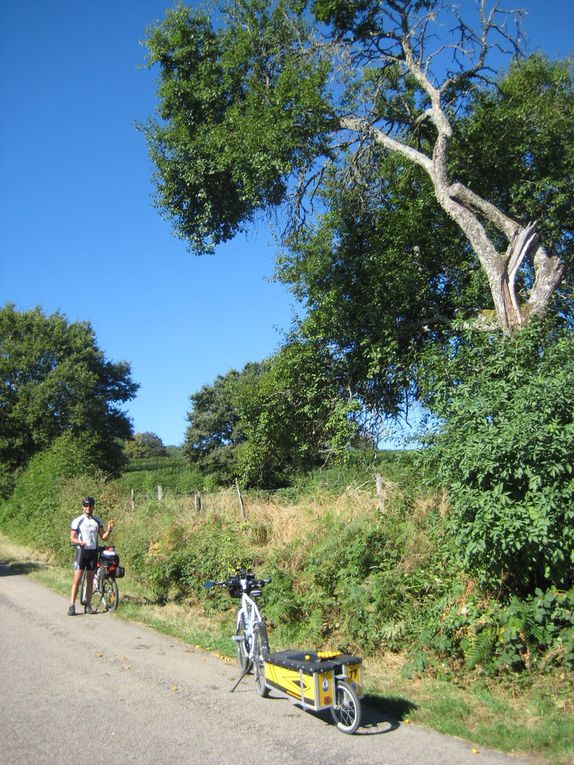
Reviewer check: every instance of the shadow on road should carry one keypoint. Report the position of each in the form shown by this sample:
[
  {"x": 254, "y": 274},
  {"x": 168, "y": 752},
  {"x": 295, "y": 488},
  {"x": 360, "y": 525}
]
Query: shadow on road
[
  {"x": 14, "y": 569},
  {"x": 379, "y": 715},
  {"x": 384, "y": 714}
]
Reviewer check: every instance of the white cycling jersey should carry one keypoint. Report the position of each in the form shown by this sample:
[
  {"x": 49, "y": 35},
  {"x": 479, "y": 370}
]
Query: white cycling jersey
[{"x": 87, "y": 528}]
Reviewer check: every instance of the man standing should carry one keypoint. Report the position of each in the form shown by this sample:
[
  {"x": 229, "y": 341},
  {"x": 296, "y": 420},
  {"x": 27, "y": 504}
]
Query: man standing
[{"x": 84, "y": 534}]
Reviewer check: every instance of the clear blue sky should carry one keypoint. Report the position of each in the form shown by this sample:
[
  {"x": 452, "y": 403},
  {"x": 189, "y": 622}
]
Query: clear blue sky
[{"x": 78, "y": 231}]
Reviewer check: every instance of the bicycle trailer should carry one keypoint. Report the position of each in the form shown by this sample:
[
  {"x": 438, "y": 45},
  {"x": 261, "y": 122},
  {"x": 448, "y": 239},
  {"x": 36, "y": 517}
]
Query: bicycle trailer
[{"x": 308, "y": 678}]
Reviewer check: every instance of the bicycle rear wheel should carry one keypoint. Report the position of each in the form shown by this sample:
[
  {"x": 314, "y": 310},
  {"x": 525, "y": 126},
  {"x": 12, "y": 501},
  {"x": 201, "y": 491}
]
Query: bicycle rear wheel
[
  {"x": 243, "y": 644},
  {"x": 260, "y": 651},
  {"x": 109, "y": 593}
]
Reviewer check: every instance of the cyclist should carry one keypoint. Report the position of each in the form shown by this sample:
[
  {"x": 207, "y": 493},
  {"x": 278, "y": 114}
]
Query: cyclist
[{"x": 84, "y": 532}]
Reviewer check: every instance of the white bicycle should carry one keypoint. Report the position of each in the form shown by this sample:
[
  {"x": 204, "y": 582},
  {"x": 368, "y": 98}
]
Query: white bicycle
[
  {"x": 250, "y": 630},
  {"x": 315, "y": 680}
]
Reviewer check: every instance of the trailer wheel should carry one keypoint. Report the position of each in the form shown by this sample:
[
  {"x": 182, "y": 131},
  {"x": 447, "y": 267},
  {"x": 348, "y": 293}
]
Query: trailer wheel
[{"x": 346, "y": 711}]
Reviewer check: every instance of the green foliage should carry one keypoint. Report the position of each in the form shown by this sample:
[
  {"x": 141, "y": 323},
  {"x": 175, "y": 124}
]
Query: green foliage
[
  {"x": 365, "y": 583},
  {"x": 55, "y": 380},
  {"x": 213, "y": 431},
  {"x": 253, "y": 103},
  {"x": 400, "y": 469},
  {"x": 504, "y": 454},
  {"x": 381, "y": 275},
  {"x": 272, "y": 420},
  {"x": 38, "y": 500},
  {"x": 268, "y": 98},
  {"x": 172, "y": 473},
  {"x": 534, "y": 634},
  {"x": 295, "y": 416},
  {"x": 240, "y": 109},
  {"x": 517, "y": 145},
  {"x": 356, "y": 579},
  {"x": 144, "y": 445},
  {"x": 175, "y": 558},
  {"x": 384, "y": 272}
]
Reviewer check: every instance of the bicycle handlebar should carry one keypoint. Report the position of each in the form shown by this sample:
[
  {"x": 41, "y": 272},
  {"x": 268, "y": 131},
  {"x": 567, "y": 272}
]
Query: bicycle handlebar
[{"x": 242, "y": 582}]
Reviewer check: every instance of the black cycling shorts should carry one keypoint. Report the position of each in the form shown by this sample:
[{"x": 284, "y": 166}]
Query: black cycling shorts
[{"x": 85, "y": 559}]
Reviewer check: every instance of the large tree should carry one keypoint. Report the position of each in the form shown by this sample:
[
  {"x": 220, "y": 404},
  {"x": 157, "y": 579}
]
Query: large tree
[
  {"x": 54, "y": 379},
  {"x": 145, "y": 445},
  {"x": 385, "y": 272},
  {"x": 257, "y": 105},
  {"x": 297, "y": 414}
]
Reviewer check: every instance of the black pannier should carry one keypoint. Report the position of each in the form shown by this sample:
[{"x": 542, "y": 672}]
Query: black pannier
[{"x": 109, "y": 563}]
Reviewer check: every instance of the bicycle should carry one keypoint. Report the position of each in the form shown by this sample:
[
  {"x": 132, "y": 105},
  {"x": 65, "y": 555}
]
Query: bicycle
[
  {"x": 250, "y": 629},
  {"x": 313, "y": 680},
  {"x": 105, "y": 591}
]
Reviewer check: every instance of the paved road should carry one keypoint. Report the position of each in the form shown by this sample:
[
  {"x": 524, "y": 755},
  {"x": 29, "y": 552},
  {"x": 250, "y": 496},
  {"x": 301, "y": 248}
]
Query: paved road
[{"x": 98, "y": 689}]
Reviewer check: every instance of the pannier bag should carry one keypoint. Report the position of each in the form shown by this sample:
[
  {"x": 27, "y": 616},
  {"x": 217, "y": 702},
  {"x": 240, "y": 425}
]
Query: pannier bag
[
  {"x": 109, "y": 564},
  {"x": 109, "y": 555}
]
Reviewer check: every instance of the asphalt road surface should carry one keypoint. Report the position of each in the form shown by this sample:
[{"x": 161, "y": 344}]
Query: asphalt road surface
[{"x": 97, "y": 689}]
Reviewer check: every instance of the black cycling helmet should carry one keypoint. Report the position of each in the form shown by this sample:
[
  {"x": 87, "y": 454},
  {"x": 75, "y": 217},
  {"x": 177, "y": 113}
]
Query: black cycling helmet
[{"x": 88, "y": 501}]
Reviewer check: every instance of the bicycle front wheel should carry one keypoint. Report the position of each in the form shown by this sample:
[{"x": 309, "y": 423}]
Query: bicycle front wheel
[
  {"x": 243, "y": 643},
  {"x": 346, "y": 711},
  {"x": 83, "y": 586},
  {"x": 110, "y": 593}
]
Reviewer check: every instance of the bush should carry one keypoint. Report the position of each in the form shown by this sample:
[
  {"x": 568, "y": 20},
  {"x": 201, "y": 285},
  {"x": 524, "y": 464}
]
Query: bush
[
  {"x": 36, "y": 502},
  {"x": 472, "y": 632},
  {"x": 504, "y": 454},
  {"x": 171, "y": 473}
]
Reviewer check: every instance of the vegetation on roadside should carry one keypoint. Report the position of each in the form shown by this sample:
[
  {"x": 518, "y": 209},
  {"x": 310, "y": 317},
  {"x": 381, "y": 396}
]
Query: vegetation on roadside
[
  {"x": 457, "y": 567},
  {"x": 348, "y": 575}
]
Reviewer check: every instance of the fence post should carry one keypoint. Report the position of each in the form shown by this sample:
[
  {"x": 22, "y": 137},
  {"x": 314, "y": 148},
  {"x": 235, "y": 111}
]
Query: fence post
[
  {"x": 380, "y": 484},
  {"x": 197, "y": 502},
  {"x": 241, "y": 505},
  {"x": 160, "y": 493},
  {"x": 133, "y": 500}
]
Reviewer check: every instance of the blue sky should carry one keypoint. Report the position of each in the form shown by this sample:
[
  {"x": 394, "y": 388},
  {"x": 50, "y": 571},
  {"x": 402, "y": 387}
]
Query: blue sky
[{"x": 78, "y": 230}]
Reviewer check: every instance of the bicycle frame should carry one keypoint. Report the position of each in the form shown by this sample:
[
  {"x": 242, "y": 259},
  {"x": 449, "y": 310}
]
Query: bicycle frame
[{"x": 247, "y": 620}]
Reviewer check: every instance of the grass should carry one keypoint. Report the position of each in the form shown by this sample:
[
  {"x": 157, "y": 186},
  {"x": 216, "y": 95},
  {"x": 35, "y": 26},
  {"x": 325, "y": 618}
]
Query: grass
[{"x": 528, "y": 715}]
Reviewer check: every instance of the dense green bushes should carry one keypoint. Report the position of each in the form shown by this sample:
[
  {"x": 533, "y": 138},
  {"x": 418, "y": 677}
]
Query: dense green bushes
[
  {"x": 345, "y": 573},
  {"x": 38, "y": 512},
  {"x": 504, "y": 453},
  {"x": 473, "y": 633}
]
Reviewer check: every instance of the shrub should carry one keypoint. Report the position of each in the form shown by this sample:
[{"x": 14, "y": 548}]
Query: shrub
[
  {"x": 504, "y": 454},
  {"x": 36, "y": 502},
  {"x": 534, "y": 634}
]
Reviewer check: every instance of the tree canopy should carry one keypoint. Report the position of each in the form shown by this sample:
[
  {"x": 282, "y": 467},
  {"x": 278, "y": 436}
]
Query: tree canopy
[
  {"x": 384, "y": 273},
  {"x": 54, "y": 379},
  {"x": 288, "y": 414},
  {"x": 263, "y": 103},
  {"x": 145, "y": 445}
]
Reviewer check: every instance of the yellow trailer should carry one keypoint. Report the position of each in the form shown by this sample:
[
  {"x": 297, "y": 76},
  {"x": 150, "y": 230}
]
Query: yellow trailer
[{"x": 315, "y": 681}]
